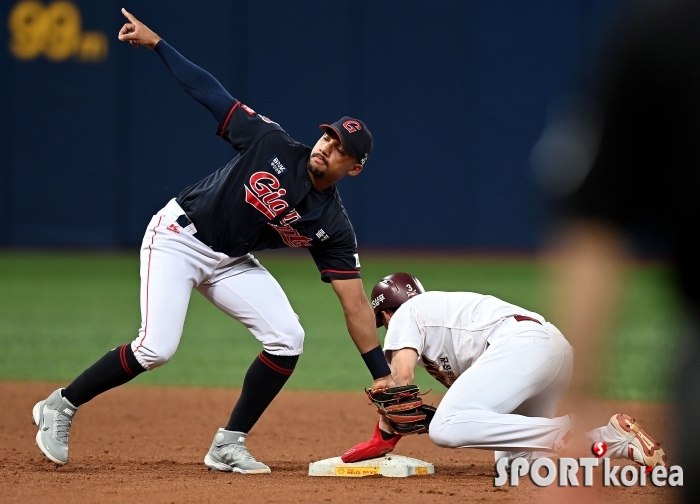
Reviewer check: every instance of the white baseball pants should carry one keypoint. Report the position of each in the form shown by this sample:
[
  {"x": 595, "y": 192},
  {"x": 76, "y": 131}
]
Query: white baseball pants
[
  {"x": 507, "y": 400},
  {"x": 173, "y": 262}
]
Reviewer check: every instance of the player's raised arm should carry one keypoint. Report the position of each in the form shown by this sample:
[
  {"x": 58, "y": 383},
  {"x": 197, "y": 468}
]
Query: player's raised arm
[
  {"x": 137, "y": 33},
  {"x": 198, "y": 83},
  {"x": 360, "y": 321}
]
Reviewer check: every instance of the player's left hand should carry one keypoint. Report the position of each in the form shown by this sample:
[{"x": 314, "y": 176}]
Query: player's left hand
[
  {"x": 384, "y": 383},
  {"x": 137, "y": 33}
]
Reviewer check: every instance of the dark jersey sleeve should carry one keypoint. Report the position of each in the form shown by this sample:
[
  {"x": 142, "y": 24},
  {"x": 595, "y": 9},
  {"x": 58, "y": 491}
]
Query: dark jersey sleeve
[
  {"x": 241, "y": 126},
  {"x": 196, "y": 82},
  {"x": 337, "y": 262}
]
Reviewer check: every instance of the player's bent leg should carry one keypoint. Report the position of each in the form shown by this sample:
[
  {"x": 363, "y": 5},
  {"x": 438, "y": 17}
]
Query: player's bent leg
[
  {"x": 498, "y": 431},
  {"x": 248, "y": 293},
  {"x": 265, "y": 378},
  {"x": 518, "y": 366},
  {"x": 172, "y": 265},
  {"x": 547, "y": 401}
]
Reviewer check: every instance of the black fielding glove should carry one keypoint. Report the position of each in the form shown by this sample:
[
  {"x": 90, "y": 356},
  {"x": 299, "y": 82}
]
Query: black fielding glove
[{"x": 403, "y": 408}]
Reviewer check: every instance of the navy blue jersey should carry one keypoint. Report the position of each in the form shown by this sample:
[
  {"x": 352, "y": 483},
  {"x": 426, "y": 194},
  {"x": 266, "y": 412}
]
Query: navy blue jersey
[{"x": 264, "y": 199}]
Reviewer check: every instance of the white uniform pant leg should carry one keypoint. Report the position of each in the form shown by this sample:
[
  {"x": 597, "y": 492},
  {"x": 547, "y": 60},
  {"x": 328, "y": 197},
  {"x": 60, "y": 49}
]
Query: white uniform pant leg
[
  {"x": 525, "y": 370},
  {"x": 172, "y": 263},
  {"x": 250, "y": 294},
  {"x": 545, "y": 404},
  {"x": 617, "y": 445}
]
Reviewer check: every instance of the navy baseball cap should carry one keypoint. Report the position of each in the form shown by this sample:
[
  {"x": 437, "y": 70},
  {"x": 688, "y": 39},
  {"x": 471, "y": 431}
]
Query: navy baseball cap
[{"x": 354, "y": 136}]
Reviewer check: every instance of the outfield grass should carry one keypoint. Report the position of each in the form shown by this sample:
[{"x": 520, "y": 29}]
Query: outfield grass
[{"x": 60, "y": 312}]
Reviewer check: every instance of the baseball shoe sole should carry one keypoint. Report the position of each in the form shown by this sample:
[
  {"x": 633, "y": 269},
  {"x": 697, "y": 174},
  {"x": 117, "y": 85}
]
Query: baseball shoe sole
[
  {"x": 642, "y": 448},
  {"x": 220, "y": 466}
]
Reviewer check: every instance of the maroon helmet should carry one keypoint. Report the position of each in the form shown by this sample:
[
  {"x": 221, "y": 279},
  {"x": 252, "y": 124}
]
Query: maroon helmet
[{"x": 392, "y": 291}]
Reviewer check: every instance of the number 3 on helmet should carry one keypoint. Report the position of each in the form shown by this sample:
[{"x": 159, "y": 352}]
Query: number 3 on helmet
[{"x": 392, "y": 291}]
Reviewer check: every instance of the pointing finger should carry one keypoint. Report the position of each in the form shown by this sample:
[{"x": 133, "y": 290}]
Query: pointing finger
[{"x": 129, "y": 16}]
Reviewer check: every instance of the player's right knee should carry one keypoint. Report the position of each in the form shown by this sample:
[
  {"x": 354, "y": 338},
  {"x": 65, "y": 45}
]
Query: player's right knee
[
  {"x": 437, "y": 430},
  {"x": 150, "y": 358},
  {"x": 298, "y": 336},
  {"x": 439, "y": 435},
  {"x": 465, "y": 432},
  {"x": 289, "y": 340}
]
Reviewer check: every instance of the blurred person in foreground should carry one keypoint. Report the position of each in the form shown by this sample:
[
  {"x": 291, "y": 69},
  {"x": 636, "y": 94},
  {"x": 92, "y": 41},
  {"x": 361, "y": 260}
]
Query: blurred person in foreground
[{"x": 643, "y": 174}]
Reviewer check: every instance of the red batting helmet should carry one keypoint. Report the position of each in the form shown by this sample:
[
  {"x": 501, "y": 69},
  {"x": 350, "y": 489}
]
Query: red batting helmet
[{"x": 392, "y": 291}]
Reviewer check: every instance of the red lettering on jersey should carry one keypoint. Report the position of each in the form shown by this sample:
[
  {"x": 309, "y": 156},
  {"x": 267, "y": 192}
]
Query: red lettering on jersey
[
  {"x": 264, "y": 196},
  {"x": 352, "y": 126},
  {"x": 257, "y": 182},
  {"x": 289, "y": 235},
  {"x": 291, "y": 217},
  {"x": 259, "y": 205}
]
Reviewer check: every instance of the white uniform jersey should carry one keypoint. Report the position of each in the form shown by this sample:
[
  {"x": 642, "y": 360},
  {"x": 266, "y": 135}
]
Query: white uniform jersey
[{"x": 449, "y": 330}]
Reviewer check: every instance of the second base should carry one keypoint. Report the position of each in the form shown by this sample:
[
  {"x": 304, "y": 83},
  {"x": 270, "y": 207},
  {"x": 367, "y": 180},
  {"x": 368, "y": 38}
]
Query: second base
[{"x": 393, "y": 466}]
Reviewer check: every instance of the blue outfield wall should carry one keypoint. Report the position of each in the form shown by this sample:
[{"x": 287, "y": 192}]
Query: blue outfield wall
[{"x": 95, "y": 141}]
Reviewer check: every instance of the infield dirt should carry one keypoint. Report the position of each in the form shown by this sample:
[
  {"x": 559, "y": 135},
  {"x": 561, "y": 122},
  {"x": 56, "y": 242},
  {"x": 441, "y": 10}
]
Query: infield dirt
[{"x": 146, "y": 444}]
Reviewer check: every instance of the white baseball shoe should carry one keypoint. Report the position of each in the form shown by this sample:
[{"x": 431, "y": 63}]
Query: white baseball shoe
[
  {"x": 641, "y": 447},
  {"x": 229, "y": 454},
  {"x": 54, "y": 416}
]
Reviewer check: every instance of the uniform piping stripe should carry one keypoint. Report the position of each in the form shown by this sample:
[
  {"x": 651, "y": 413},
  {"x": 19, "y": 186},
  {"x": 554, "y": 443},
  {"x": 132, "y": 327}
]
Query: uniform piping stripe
[
  {"x": 148, "y": 279},
  {"x": 228, "y": 118},
  {"x": 122, "y": 358},
  {"x": 346, "y": 272},
  {"x": 274, "y": 366},
  {"x": 522, "y": 318}
]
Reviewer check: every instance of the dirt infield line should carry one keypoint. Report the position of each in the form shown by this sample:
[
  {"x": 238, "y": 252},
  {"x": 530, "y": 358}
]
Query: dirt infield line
[{"x": 146, "y": 444}]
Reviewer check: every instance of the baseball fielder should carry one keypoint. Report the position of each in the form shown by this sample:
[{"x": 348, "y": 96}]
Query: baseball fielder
[
  {"x": 275, "y": 193},
  {"x": 506, "y": 370}
]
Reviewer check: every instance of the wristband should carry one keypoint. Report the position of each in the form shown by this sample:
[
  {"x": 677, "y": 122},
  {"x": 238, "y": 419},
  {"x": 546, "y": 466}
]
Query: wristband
[{"x": 376, "y": 363}]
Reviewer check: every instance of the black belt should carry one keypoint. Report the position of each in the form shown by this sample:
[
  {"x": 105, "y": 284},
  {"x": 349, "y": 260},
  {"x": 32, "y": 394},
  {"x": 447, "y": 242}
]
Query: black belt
[{"x": 183, "y": 221}]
